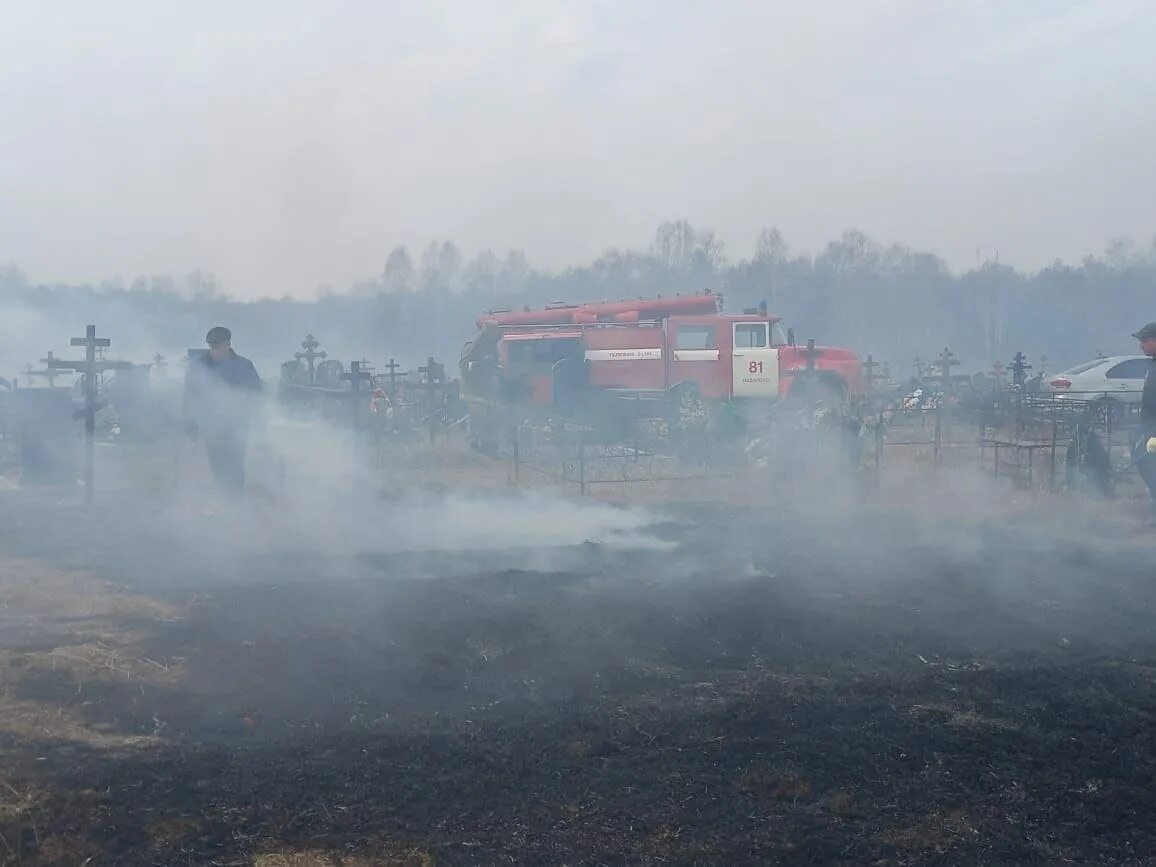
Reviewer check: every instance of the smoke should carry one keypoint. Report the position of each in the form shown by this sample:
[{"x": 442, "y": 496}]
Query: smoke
[
  {"x": 22, "y": 331},
  {"x": 353, "y": 557},
  {"x": 325, "y": 505},
  {"x": 319, "y": 488}
]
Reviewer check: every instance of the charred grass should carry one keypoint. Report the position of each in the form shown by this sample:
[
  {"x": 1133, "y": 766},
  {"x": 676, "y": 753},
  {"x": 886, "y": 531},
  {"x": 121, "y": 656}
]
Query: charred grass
[{"x": 599, "y": 712}]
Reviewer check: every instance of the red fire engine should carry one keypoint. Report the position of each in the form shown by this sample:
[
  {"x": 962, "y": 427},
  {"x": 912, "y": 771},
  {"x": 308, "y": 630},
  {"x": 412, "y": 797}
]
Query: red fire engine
[{"x": 648, "y": 347}]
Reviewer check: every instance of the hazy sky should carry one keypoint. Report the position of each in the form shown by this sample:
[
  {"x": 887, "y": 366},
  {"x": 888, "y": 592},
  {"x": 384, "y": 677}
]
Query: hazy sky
[{"x": 285, "y": 144}]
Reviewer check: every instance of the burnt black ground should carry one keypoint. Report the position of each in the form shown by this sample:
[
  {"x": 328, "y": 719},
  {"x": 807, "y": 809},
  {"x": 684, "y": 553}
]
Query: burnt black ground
[{"x": 777, "y": 687}]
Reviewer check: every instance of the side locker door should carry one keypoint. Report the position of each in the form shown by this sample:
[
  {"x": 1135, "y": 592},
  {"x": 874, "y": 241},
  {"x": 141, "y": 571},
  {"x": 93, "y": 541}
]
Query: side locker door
[
  {"x": 696, "y": 356},
  {"x": 754, "y": 362}
]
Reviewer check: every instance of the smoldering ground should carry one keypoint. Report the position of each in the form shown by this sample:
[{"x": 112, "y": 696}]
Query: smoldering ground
[{"x": 354, "y": 667}]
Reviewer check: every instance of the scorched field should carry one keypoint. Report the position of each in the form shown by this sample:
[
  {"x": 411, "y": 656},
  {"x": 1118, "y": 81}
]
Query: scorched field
[{"x": 520, "y": 678}]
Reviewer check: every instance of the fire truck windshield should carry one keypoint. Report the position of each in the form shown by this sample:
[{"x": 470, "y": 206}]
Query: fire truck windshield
[{"x": 778, "y": 335}]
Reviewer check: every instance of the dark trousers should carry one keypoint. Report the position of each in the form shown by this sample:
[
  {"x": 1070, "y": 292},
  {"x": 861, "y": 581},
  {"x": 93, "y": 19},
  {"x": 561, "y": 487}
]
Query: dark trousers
[
  {"x": 1146, "y": 464},
  {"x": 227, "y": 459}
]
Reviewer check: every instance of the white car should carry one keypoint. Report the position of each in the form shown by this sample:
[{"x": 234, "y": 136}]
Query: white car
[{"x": 1119, "y": 378}]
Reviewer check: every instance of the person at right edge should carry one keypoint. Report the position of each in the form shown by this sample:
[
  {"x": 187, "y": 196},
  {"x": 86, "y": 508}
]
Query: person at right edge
[
  {"x": 1145, "y": 451},
  {"x": 221, "y": 393}
]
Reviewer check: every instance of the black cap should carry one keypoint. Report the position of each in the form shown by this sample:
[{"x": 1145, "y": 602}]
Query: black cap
[
  {"x": 218, "y": 334},
  {"x": 1147, "y": 332}
]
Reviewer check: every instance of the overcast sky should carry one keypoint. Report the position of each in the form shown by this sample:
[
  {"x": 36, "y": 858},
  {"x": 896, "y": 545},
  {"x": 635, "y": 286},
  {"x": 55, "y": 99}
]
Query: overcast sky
[{"x": 286, "y": 144}]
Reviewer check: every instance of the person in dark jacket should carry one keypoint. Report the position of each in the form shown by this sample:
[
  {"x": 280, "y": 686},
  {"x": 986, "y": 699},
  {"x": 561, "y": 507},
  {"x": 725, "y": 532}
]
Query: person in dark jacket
[
  {"x": 220, "y": 397},
  {"x": 1145, "y": 456}
]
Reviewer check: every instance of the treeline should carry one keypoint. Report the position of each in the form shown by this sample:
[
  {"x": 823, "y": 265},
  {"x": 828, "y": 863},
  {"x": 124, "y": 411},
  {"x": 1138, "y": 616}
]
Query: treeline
[{"x": 890, "y": 301}]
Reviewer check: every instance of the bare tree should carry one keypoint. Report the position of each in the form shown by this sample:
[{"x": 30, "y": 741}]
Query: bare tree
[
  {"x": 203, "y": 286},
  {"x": 1121, "y": 254},
  {"x": 431, "y": 266},
  {"x": 398, "y": 274},
  {"x": 481, "y": 274},
  {"x": 770, "y": 248},
  {"x": 514, "y": 272},
  {"x": 449, "y": 264},
  {"x": 710, "y": 252},
  {"x": 674, "y": 244},
  {"x": 853, "y": 252}
]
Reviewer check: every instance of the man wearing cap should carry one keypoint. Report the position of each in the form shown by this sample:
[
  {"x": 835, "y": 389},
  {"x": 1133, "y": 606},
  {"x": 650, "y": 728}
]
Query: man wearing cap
[
  {"x": 1146, "y": 446},
  {"x": 221, "y": 389}
]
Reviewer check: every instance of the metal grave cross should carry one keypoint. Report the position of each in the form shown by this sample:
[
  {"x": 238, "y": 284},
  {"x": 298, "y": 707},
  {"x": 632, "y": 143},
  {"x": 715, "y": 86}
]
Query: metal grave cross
[
  {"x": 359, "y": 372},
  {"x": 944, "y": 364},
  {"x": 870, "y": 368},
  {"x": 49, "y": 373},
  {"x": 432, "y": 376},
  {"x": 310, "y": 344},
  {"x": 394, "y": 376},
  {"x": 1019, "y": 369},
  {"x": 90, "y": 368}
]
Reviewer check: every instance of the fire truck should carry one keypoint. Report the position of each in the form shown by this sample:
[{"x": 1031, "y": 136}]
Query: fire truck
[{"x": 680, "y": 349}]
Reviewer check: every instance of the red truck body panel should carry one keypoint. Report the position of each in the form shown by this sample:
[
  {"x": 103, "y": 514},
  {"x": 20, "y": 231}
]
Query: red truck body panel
[{"x": 655, "y": 345}]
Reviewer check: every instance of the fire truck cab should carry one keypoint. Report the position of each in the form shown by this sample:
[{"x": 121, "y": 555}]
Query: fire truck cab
[
  {"x": 724, "y": 356},
  {"x": 644, "y": 348}
]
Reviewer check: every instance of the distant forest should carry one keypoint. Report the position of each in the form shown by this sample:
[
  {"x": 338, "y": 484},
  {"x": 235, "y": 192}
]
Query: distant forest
[{"x": 890, "y": 301}]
